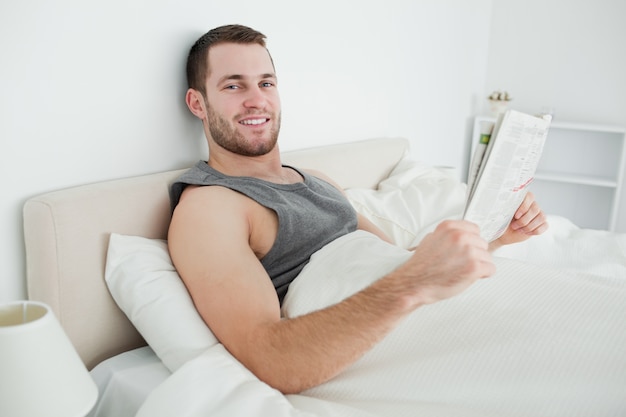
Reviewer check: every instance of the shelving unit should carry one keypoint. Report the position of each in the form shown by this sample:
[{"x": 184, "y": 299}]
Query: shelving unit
[{"x": 581, "y": 171}]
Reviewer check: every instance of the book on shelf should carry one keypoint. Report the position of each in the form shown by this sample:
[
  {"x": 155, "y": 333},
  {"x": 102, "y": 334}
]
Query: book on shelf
[{"x": 501, "y": 169}]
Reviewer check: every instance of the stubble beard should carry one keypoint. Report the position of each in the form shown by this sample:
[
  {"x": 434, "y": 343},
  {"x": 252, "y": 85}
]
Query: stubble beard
[{"x": 226, "y": 136}]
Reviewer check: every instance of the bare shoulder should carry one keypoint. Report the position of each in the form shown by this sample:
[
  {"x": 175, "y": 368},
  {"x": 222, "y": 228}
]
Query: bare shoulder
[
  {"x": 206, "y": 220},
  {"x": 204, "y": 210}
]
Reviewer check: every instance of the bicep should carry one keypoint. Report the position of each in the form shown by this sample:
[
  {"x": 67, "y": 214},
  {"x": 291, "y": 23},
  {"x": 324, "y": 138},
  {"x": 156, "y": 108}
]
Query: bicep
[{"x": 230, "y": 288}]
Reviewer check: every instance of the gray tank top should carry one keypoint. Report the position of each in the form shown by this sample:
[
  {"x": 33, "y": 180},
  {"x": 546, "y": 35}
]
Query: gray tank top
[{"x": 310, "y": 214}]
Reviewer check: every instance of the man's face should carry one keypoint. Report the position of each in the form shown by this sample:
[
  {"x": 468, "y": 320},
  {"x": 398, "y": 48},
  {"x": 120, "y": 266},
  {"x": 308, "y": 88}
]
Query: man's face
[{"x": 243, "y": 106}]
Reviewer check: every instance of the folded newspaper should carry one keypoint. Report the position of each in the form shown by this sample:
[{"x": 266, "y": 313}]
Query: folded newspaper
[{"x": 502, "y": 168}]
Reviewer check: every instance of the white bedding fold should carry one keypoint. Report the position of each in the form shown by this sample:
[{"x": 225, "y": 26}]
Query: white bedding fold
[
  {"x": 569, "y": 247},
  {"x": 215, "y": 384}
]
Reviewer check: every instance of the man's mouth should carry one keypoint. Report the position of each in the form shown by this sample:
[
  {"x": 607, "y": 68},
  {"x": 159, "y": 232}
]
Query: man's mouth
[{"x": 253, "y": 122}]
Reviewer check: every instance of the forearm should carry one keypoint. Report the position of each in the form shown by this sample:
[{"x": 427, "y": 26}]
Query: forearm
[{"x": 295, "y": 354}]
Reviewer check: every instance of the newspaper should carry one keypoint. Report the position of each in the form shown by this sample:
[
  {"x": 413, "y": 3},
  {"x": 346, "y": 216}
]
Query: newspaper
[{"x": 502, "y": 168}]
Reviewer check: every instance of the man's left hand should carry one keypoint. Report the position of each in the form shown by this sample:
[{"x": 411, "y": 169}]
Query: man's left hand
[{"x": 529, "y": 220}]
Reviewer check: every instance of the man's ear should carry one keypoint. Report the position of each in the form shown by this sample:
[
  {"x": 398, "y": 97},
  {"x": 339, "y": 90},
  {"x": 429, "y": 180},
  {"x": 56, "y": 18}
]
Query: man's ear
[{"x": 195, "y": 102}]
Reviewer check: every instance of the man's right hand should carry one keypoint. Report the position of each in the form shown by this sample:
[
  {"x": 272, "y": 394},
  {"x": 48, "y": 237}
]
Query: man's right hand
[{"x": 446, "y": 262}]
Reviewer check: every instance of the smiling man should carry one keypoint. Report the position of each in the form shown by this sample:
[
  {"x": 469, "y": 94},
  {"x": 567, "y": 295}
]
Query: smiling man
[{"x": 244, "y": 226}]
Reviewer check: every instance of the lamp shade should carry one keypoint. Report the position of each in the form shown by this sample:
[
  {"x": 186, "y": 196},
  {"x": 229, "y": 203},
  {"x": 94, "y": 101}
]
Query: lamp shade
[{"x": 41, "y": 375}]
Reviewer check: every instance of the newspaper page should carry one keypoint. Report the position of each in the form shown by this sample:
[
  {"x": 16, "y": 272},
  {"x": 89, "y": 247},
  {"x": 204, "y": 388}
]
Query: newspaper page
[{"x": 507, "y": 169}]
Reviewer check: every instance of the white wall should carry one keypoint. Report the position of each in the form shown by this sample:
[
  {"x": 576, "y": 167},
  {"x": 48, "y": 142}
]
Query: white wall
[
  {"x": 570, "y": 55},
  {"x": 94, "y": 90}
]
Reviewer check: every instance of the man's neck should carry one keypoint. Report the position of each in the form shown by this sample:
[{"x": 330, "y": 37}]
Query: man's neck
[{"x": 267, "y": 167}]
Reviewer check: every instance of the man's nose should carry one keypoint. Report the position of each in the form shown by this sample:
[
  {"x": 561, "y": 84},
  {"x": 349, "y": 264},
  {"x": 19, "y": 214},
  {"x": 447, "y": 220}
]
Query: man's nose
[{"x": 255, "y": 98}]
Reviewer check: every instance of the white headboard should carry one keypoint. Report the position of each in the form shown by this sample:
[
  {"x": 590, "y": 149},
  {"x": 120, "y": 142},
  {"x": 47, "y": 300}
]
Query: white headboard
[{"x": 67, "y": 234}]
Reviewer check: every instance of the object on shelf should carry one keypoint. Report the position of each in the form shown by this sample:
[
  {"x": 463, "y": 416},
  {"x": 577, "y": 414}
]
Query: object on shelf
[{"x": 498, "y": 102}]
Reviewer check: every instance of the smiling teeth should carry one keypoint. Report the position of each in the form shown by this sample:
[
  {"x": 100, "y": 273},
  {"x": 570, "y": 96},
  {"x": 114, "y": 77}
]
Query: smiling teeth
[{"x": 253, "y": 121}]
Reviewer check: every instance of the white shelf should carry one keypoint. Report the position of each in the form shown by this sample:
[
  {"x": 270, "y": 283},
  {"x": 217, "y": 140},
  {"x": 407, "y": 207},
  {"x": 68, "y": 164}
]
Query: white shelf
[
  {"x": 597, "y": 181},
  {"x": 581, "y": 171}
]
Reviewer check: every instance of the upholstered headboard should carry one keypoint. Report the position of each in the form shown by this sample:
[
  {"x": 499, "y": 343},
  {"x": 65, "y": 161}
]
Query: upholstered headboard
[{"x": 67, "y": 234}]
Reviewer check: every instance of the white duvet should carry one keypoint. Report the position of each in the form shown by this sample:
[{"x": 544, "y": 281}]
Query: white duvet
[{"x": 533, "y": 340}]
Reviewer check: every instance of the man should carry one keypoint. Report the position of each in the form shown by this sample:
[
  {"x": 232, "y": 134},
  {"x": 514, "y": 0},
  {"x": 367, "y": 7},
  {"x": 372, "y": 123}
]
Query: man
[{"x": 239, "y": 242}]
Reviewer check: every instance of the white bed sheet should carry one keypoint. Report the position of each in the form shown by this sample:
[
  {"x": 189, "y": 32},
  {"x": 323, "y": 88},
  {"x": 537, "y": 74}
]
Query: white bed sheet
[{"x": 125, "y": 381}]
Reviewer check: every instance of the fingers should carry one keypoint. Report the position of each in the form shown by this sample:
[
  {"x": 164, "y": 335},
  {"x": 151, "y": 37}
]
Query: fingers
[
  {"x": 529, "y": 218},
  {"x": 461, "y": 225},
  {"x": 467, "y": 246},
  {"x": 523, "y": 208}
]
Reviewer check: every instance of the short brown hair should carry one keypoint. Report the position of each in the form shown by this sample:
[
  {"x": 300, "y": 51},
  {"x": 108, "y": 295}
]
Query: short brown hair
[{"x": 197, "y": 60}]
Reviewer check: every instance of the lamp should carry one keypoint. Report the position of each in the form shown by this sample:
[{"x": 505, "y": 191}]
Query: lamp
[{"x": 41, "y": 375}]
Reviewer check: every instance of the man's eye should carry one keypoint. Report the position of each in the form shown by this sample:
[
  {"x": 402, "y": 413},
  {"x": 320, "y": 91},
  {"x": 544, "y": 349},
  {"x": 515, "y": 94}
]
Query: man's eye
[
  {"x": 267, "y": 84},
  {"x": 231, "y": 87}
]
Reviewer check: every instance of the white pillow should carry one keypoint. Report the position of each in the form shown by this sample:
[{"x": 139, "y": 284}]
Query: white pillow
[
  {"x": 411, "y": 201},
  {"x": 146, "y": 286}
]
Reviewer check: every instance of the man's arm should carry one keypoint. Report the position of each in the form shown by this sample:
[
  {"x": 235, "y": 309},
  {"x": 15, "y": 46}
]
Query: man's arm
[{"x": 209, "y": 240}]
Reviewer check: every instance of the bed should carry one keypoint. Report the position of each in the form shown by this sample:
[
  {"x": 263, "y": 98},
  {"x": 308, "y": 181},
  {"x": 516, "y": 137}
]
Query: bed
[{"x": 546, "y": 336}]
